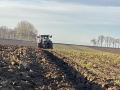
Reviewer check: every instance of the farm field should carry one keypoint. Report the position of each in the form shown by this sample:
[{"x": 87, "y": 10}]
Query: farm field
[
  {"x": 98, "y": 66},
  {"x": 86, "y": 48},
  {"x": 31, "y": 68},
  {"x": 74, "y": 47},
  {"x": 17, "y": 42},
  {"x": 64, "y": 67}
]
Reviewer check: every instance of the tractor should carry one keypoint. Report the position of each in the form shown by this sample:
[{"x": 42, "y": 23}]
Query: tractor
[{"x": 44, "y": 42}]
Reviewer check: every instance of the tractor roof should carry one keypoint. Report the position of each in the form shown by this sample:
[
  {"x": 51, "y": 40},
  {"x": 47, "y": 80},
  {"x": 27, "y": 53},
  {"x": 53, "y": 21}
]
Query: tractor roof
[{"x": 44, "y": 35}]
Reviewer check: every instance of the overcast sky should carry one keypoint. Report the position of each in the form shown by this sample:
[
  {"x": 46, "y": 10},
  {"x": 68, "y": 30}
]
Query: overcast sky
[{"x": 69, "y": 21}]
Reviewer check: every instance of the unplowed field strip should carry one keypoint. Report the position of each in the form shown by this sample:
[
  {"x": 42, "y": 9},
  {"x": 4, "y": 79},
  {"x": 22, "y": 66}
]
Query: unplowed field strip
[
  {"x": 86, "y": 48},
  {"x": 106, "y": 49}
]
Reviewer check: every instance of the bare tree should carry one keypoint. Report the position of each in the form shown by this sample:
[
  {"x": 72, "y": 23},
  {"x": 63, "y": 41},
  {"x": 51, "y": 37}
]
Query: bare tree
[
  {"x": 118, "y": 42},
  {"x": 23, "y": 31},
  {"x": 11, "y": 34},
  {"x": 26, "y": 31},
  {"x": 107, "y": 40},
  {"x": 94, "y": 41},
  {"x": 4, "y": 32},
  {"x": 101, "y": 40},
  {"x": 110, "y": 41},
  {"x": 113, "y": 42}
]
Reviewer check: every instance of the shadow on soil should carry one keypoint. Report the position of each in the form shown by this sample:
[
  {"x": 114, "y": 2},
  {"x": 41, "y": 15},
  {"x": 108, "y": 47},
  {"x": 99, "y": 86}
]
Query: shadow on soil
[{"x": 78, "y": 81}]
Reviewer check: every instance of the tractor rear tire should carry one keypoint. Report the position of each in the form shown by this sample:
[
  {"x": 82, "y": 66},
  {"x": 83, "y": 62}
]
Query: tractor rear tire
[
  {"x": 39, "y": 45},
  {"x": 51, "y": 45}
]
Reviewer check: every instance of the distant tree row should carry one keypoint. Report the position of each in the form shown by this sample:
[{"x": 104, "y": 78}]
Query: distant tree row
[
  {"x": 23, "y": 31},
  {"x": 106, "y": 41}
]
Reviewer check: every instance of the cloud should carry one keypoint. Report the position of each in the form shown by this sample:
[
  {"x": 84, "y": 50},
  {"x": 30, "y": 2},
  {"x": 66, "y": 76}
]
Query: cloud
[
  {"x": 61, "y": 12},
  {"x": 59, "y": 19},
  {"x": 92, "y": 2}
]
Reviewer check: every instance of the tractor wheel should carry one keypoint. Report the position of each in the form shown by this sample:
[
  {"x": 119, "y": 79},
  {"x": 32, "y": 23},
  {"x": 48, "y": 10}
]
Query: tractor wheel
[
  {"x": 39, "y": 45},
  {"x": 50, "y": 45}
]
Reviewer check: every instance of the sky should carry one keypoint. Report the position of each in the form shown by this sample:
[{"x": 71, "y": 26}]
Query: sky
[{"x": 68, "y": 21}]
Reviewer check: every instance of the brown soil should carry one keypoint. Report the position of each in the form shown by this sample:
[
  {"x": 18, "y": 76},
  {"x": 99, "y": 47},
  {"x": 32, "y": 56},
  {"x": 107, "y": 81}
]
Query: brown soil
[
  {"x": 30, "y": 68},
  {"x": 104, "y": 74}
]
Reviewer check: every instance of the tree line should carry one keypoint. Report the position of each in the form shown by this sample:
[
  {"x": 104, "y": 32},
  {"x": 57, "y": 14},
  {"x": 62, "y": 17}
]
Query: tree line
[
  {"x": 23, "y": 31},
  {"x": 106, "y": 41}
]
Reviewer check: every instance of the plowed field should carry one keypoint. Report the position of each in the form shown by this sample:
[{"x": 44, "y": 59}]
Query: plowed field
[
  {"x": 30, "y": 68},
  {"x": 99, "y": 65}
]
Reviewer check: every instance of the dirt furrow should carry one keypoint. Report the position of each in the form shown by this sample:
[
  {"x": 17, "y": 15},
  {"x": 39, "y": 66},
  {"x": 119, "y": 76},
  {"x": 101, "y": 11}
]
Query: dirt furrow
[
  {"x": 31, "y": 68},
  {"x": 101, "y": 74},
  {"x": 73, "y": 70}
]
